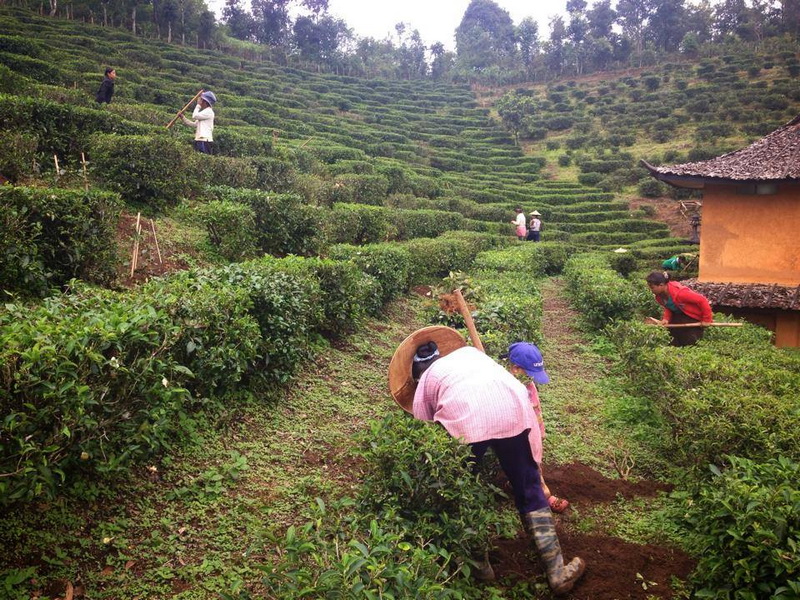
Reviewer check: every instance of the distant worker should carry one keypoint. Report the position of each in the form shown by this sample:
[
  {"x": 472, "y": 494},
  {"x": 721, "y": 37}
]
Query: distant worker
[
  {"x": 677, "y": 262},
  {"x": 203, "y": 122},
  {"x": 681, "y": 305},
  {"x": 106, "y": 90},
  {"x": 519, "y": 221},
  {"x": 535, "y": 228}
]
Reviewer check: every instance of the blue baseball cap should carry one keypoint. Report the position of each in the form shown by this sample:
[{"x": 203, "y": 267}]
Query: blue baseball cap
[{"x": 529, "y": 358}]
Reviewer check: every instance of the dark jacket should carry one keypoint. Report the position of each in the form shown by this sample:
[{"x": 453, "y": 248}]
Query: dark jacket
[{"x": 106, "y": 90}]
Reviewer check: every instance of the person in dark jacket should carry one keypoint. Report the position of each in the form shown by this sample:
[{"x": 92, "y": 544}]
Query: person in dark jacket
[{"x": 107, "y": 87}]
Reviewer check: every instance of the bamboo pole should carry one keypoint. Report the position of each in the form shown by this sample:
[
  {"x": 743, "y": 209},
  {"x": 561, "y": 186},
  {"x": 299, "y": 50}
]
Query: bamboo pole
[
  {"x": 155, "y": 237},
  {"x": 135, "y": 253},
  {"x": 473, "y": 332},
  {"x": 177, "y": 116},
  {"x": 652, "y": 321}
]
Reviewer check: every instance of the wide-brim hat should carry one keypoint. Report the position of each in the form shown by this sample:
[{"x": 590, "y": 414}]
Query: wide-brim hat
[
  {"x": 536, "y": 213},
  {"x": 401, "y": 384},
  {"x": 209, "y": 97}
]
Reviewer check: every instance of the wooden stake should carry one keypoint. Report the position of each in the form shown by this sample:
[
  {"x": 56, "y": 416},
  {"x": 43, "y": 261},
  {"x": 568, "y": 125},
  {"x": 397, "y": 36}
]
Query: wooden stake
[
  {"x": 473, "y": 332},
  {"x": 58, "y": 171},
  {"x": 85, "y": 175},
  {"x": 158, "y": 250},
  {"x": 135, "y": 254},
  {"x": 652, "y": 321}
]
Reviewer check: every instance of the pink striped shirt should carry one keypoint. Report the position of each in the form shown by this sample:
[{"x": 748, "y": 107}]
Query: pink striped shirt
[{"x": 474, "y": 398}]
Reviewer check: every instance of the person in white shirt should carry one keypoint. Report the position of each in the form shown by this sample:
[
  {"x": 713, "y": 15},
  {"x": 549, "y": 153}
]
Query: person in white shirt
[
  {"x": 203, "y": 122},
  {"x": 519, "y": 221}
]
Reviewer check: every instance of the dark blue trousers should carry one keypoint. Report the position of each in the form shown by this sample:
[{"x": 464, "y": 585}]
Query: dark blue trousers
[
  {"x": 204, "y": 147},
  {"x": 515, "y": 458}
]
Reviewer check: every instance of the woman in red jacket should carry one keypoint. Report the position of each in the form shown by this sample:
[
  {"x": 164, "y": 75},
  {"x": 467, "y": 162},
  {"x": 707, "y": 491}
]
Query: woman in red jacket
[{"x": 681, "y": 305}]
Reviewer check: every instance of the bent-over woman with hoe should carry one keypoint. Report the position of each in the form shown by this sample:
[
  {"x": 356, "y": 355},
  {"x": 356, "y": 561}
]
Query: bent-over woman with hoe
[{"x": 681, "y": 305}]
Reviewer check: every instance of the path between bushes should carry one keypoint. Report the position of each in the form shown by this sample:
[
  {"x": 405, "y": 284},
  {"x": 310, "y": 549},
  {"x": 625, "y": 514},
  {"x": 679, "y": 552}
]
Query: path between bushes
[{"x": 616, "y": 569}]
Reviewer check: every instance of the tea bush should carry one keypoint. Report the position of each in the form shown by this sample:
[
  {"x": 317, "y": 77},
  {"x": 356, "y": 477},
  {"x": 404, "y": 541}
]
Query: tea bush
[
  {"x": 390, "y": 264},
  {"x": 231, "y": 228},
  {"x": 745, "y": 524},
  {"x": 732, "y": 393},
  {"x": 17, "y": 154},
  {"x": 287, "y": 309},
  {"x": 417, "y": 472},
  {"x": 155, "y": 172},
  {"x": 411, "y": 224},
  {"x": 433, "y": 258},
  {"x": 88, "y": 385},
  {"x": 283, "y": 223},
  {"x": 599, "y": 293},
  {"x": 356, "y": 224},
  {"x": 49, "y": 236}
]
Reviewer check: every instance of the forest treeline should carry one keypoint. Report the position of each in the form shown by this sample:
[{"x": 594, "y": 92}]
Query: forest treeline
[{"x": 489, "y": 47}]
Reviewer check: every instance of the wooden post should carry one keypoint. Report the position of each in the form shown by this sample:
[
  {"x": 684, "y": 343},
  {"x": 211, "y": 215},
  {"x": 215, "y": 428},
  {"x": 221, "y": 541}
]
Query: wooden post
[
  {"x": 135, "y": 254},
  {"x": 85, "y": 175},
  {"x": 158, "y": 250},
  {"x": 473, "y": 332},
  {"x": 58, "y": 171}
]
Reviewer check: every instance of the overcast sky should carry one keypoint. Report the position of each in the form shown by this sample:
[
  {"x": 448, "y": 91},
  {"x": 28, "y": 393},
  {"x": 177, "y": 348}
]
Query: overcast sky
[{"x": 436, "y": 20}]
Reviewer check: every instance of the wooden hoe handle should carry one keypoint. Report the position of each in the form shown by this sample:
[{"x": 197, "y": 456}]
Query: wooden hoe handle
[
  {"x": 473, "y": 333},
  {"x": 196, "y": 96}
]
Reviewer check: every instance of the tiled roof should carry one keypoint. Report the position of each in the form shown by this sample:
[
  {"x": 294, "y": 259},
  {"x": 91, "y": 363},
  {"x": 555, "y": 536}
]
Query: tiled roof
[
  {"x": 748, "y": 295},
  {"x": 774, "y": 157}
]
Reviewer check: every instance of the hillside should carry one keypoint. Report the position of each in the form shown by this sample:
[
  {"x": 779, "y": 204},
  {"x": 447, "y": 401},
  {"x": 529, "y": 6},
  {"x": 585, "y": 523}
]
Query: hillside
[{"x": 194, "y": 348}]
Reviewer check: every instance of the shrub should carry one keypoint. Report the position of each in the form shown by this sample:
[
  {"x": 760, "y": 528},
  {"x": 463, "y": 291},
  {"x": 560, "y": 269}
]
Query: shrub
[
  {"x": 423, "y": 476},
  {"x": 650, "y": 187},
  {"x": 390, "y": 264},
  {"x": 152, "y": 171},
  {"x": 411, "y": 224},
  {"x": 283, "y": 223},
  {"x": 274, "y": 174},
  {"x": 356, "y": 224},
  {"x": 50, "y": 236},
  {"x": 231, "y": 228},
  {"x": 17, "y": 154},
  {"x": 435, "y": 258},
  {"x": 746, "y": 528},
  {"x": 600, "y": 294},
  {"x": 63, "y": 360}
]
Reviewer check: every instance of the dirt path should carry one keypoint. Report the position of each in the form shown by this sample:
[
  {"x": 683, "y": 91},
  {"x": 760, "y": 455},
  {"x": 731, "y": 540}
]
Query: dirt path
[{"x": 616, "y": 569}]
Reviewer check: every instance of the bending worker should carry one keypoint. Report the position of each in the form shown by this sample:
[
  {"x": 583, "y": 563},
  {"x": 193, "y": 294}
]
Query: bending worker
[
  {"x": 681, "y": 305},
  {"x": 203, "y": 122},
  {"x": 477, "y": 401}
]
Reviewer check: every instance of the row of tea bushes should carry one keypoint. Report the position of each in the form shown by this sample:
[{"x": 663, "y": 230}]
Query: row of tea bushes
[
  {"x": 95, "y": 380},
  {"x": 729, "y": 405},
  {"x": 49, "y": 236},
  {"x": 600, "y": 293}
]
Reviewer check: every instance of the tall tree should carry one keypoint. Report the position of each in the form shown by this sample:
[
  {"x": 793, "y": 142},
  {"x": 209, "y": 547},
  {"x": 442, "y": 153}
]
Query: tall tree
[
  {"x": 633, "y": 16},
  {"x": 528, "y": 42},
  {"x": 271, "y": 21},
  {"x": 441, "y": 61},
  {"x": 239, "y": 21},
  {"x": 601, "y": 19},
  {"x": 667, "y": 26},
  {"x": 485, "y": 37}
]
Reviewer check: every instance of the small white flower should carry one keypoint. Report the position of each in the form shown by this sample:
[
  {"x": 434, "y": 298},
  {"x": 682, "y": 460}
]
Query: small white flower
[
  {"x": 114, "y": 362},
  {"x": 164, "y": 381}
]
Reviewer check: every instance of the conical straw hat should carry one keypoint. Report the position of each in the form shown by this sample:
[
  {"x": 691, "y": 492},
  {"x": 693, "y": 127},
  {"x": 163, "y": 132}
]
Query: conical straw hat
[{"x": 401, "y": 385}]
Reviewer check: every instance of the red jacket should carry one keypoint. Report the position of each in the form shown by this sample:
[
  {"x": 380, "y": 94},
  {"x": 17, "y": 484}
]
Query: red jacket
[{"x": 688, "y": 301}]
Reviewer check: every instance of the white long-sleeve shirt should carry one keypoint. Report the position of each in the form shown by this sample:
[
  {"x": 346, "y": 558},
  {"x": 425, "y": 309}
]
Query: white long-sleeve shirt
[{"x": 203, "y": 123}]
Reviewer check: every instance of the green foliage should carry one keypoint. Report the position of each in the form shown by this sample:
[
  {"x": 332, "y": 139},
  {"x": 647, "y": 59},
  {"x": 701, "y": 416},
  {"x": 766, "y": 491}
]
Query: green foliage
[
  {"x": 356, "y": 224},
  {"x": 231, "y": 228},
  {"x": 732, "y": 393},
  {"x": 410, "y": 224},
  {"x": 745, "y": 523},
  {"x": 155, "y": 172},
  {"x": 49, "y": 236},
  {"x": 17, "y": 154},
  {"x": 390, "y": 264},
  {"x": 283, "y": 223},
  {"x": 598, "y": 292},
  {"x": 347, "y": 293},
  {"x": 352, "y": 557},
  {"x": 419, "y": 474},
  {"x": 88, "y": 384},
  {"x": 433, "y": 258}
]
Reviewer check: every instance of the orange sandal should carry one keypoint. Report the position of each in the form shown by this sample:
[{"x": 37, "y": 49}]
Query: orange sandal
[{"x": 558, "y": 505}]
